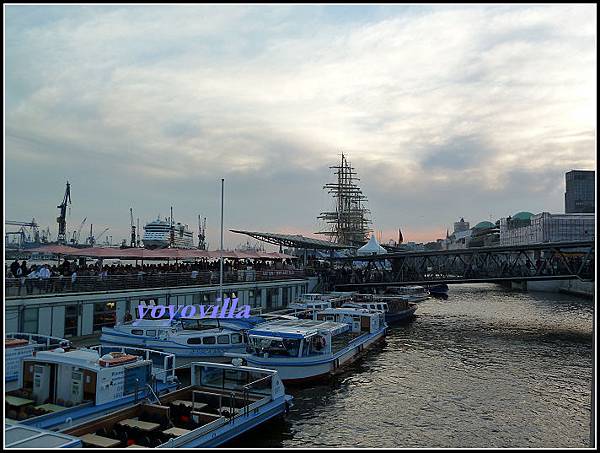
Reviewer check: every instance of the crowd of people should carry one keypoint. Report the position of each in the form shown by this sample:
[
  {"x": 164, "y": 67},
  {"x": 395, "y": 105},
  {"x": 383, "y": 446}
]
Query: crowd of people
[{"x": 69, "y": 275}]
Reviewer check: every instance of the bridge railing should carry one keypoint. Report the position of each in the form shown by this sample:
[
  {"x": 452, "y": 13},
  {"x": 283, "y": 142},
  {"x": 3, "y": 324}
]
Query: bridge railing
[{"x": 20, "y": 287}]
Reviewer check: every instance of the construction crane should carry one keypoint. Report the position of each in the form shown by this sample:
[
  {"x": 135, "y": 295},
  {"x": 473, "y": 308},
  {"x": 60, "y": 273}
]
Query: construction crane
[
  {"x": 77, "y": 234},
  {"x": 138, "y": 232},
  {"x": 102, "y": 234},
  {"x": 201, "y": 233},
  {"x": 132, "y": 228},
  {"x": 62, "y": 218}
]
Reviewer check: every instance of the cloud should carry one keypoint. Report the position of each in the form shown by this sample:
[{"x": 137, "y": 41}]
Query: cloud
[{"x": 445, "y": 106}]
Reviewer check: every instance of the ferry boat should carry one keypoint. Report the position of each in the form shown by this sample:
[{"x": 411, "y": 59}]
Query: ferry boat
[
  {"x": 221, "y": 402},
  {"x": 396, "y": 309},
  {"x": 160, "y": 234},
  {"x": 438, "y": 290},
  {"x": 410, "y": 293},
  {"x": 63, "y": 385},
  {"x": 189, "y": 339},
  {"x": 307, "y": 349},
  {"x": 310, "y": 303},
  {"x": 17, "y": 346}
]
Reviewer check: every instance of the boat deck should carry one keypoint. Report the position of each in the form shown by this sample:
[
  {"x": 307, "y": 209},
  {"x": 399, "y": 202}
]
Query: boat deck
[{"x": 151, "y": 425}]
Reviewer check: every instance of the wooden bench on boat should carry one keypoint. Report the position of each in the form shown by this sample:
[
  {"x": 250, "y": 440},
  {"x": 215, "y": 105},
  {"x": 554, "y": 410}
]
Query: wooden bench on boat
[{"x": 99, "y": 441}]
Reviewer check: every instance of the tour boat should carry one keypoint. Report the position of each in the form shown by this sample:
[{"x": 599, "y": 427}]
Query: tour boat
[
  {"x": 312, "y": 348},
  {"x": 410, "y": 293},
  {"x": 188, "y": 339},
  {"x": 60, "y": 386},
  {"x": 17, "y": 346},
  {"x": 438, "y": 290},
  {"x": 222, "y": 402},
  {"x": 396, "y": 309}
]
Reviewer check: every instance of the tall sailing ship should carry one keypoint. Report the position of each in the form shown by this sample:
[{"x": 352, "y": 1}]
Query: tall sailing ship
[{"x": 349, "y": 223}]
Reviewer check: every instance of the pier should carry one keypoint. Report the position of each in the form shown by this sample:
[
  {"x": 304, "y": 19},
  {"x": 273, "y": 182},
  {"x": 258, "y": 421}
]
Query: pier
[{"x": 531, "y": 262}]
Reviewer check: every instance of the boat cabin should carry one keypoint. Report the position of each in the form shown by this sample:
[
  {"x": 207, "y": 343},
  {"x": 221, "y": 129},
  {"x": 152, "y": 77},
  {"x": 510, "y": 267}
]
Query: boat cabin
[
  {"x": 66, "y": 379},
  {"x": 294, "y": 338}
]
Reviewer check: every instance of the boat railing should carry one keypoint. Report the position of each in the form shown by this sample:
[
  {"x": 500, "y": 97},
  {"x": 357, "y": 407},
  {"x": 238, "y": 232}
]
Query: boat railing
[
  {"x": 15, "y": 287},
  {"x": 37, "y": 339},
  {"x": 163, "y": 364}
]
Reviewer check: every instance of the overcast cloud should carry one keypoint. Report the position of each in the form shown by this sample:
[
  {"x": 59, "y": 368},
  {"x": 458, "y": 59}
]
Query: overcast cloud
[{"x": 471, "y": 111}]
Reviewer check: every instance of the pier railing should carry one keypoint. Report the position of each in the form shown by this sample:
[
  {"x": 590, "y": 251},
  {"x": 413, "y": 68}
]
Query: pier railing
[{"x": 24, "y": 287}]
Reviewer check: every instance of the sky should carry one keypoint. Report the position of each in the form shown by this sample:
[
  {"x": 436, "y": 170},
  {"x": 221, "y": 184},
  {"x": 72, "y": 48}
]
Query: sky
[{"x": 473, "y": 111}]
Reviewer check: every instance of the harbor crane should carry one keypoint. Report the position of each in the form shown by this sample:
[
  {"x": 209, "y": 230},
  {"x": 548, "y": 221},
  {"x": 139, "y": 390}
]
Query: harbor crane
[
  {"x": 77, "y": 234},
  {"x": 32, "y": 235},
  {"x": 62, "y": 218},
  {"x": 132, "y": 228},
  {"x": 201, "y": 233},
  {"x": 102, "y": 234}
]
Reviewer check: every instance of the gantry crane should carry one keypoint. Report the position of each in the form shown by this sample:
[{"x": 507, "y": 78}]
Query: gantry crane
[
  {"x": 62, "y": 218},
  {"x": 132, "y": 228}
]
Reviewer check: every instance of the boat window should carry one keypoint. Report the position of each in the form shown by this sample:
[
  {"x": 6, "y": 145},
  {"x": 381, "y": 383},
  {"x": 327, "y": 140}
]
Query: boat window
[
  {"x": 194, "y": 340},
  {"x": 208, "y": 340},
  {"x": 223, "y": 339},
  {"x": 137, "y": 332},
  {"x": 236, "y": 338},
  {"x": 150, "y": 333}
]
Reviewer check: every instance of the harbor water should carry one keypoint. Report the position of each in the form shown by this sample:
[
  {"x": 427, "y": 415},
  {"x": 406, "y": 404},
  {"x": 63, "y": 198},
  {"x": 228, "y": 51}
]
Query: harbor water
[{"x": 488, "y": 367}]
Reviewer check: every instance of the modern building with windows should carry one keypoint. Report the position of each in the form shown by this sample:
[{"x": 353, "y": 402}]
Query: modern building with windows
[
  {"x": 527, "y": 228},
  {"x": 580, "y": 193}
]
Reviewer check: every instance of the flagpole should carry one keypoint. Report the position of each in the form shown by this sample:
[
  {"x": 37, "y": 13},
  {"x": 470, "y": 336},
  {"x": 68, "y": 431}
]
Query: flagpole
[{"x": 221, "y": 251}]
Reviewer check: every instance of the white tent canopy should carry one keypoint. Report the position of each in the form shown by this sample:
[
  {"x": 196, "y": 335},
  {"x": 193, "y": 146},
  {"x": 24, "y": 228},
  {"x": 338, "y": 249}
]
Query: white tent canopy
[{"x": 371, "y": 248}]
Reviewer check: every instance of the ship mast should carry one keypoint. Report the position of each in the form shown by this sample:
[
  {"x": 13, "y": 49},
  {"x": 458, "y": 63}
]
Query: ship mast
[{"x": 349, "y": 223}]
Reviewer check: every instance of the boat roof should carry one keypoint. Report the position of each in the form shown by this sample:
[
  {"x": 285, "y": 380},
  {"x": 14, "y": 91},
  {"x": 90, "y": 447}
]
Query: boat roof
[
  {"x": 21, "y": 436},
  {"x": 298, "y": 328},
  {"x": 84, "y": 358}
]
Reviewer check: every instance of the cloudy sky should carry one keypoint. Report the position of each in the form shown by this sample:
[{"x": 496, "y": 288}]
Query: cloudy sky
[{"x": 471, "y": 111}]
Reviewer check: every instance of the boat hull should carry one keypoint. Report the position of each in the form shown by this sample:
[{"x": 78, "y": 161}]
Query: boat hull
[
  {"x": 296, "y": 371},
  {"x": 184, "y": 355},
  {"x": 402, "y": 316}
]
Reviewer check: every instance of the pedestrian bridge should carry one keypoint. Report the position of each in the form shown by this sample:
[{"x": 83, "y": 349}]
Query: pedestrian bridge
[{"x": 545, "y": 261}]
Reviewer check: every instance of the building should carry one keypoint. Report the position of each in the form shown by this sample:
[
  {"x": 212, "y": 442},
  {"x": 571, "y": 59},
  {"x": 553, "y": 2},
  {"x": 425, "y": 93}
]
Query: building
[
  {"x": 579, "y": 194},
  {"x": 485, "y": 234},
  {"x": 526, "y": 228},
  {"x": 461, "y": 225}
]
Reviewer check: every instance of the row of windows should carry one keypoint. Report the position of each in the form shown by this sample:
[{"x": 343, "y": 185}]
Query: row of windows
[{"x": 234, "y": 338}]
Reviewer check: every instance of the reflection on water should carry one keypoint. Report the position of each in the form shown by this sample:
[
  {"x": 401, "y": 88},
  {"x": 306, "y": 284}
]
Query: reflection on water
[{"x": 487, "y": 367}]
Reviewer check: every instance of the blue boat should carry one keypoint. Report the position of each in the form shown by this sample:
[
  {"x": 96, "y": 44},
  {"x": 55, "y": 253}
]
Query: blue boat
[
  {"x": 438, "y": 290},
  {"x": 65, "y": 385},
  {"x": 222, "y": 402},
  {"x": 396, "y": 309}
]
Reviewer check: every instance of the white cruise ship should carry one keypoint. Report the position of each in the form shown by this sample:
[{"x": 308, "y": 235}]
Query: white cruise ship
[{"x": 157, "y": 234}]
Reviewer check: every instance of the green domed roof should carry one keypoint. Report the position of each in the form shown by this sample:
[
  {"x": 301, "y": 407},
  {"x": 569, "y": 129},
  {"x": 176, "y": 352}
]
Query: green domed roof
[
  {"x": 483, "y": 225},
  {"x": 523, "y": 215}
]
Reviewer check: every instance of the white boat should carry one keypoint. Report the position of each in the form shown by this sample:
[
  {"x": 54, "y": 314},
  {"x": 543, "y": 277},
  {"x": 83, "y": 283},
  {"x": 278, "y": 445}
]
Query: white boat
[
  {"x": 310, "y": 303},
  {"x": 222, "y": 402},
  {"x": 307, "y": 349},
  {"x": 17, "y": 346},
  {"x": 410, "y": 293},
  {"x": 63, "y": 385},
  {"x": 160, "y": 234},
  {"x": 189, "y": 339}
]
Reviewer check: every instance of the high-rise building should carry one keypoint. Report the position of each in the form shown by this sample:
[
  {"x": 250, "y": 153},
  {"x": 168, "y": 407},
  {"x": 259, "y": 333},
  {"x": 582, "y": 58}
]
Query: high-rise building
[{"x": 579, "y": 195}]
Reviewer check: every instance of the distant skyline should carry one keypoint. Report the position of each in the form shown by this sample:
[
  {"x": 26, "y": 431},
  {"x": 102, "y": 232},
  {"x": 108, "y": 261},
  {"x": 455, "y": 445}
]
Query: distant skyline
[{"x": 473, "y": 111}]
